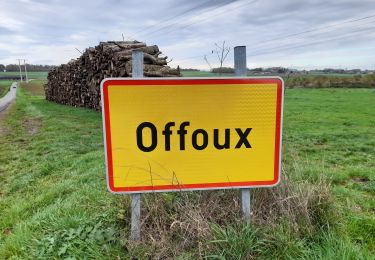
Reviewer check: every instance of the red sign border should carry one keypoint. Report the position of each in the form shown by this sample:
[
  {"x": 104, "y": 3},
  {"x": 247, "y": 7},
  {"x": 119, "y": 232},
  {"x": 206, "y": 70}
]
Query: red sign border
[{"x": 189, "y": 81}]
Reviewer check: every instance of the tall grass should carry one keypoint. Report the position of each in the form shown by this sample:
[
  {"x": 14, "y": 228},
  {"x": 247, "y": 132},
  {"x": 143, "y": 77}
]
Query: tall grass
[{"x": 285, "y": 219}]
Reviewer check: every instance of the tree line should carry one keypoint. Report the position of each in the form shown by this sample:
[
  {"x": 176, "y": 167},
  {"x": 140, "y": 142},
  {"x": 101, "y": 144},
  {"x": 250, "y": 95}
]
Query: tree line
[
  {"x": 29, "y": 67},
  {"x": 328, "y": 81}
]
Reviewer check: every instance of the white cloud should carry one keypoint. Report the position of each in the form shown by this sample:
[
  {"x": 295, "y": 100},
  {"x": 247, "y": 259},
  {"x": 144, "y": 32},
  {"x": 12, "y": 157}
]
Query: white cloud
[{"x": 49, "y": 31}]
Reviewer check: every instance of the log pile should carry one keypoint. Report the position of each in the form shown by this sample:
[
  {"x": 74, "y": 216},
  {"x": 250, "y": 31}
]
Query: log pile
[{"x": 77, "y": 83}]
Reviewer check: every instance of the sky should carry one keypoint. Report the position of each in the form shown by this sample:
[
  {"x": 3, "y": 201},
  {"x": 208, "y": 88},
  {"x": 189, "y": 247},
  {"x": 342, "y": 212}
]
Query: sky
[{"x": 308, "y": 34}]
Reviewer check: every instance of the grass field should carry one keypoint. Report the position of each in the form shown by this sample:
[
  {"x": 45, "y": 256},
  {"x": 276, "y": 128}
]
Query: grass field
[
  {"x": 4, "y": 87},
  {"x": 210, "y": 74},
  {"x": 311, "y": 80},
  {"x": 31, "y": 75},
  {"x": 330, "y": 74},
  {"x": 207, "y": 74},
  {"x": 332, "y": 132},
  {"x": 54, "y": 202},
  {"x": 203, "y": 74}
]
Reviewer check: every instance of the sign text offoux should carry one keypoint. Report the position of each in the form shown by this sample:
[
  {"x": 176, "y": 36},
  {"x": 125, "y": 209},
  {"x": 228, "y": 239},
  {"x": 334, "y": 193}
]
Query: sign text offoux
[{"x": 184, "y": 134}]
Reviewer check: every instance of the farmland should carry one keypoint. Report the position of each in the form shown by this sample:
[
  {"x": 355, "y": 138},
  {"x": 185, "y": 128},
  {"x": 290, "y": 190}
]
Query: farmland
[
  {"x": 5, "y": 84},
  {"x": 4, "y": 87},
  {"x": 31, "y": 75},
  {"x": 310, "y": 80},
  {"x": 54, "y": 201},
  {"x": 211, "y": 74}
]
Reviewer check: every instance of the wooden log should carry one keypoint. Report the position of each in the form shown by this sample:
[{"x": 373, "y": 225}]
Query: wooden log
[{"x": 77, "y": 82}]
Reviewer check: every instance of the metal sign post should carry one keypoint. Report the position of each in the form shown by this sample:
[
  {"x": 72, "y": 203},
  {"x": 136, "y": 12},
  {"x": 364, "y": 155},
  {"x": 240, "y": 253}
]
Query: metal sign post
[
  {"x": 135, "y": 235},
  {"x": 241, "y": 71}
]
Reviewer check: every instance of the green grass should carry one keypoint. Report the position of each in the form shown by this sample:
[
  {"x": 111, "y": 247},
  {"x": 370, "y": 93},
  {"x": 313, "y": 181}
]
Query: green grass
[
  {"x": 31, "y": 74},
  {"x": 211, "y": 74},
  {"x": 53, "y": 198},
  {"x": 204, "y": 74},
  {"x": 54, "y": 201},
  {"x": 34, "y": 87},
  {"x": 4, "y": 87},
  {"x": 332, "y": 132},
  {"x": 312, "y": 74},
  {"x": 208, "y": 74}
]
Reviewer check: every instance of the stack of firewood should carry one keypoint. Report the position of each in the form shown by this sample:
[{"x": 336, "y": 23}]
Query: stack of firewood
[{"x": 77, "y": 83}]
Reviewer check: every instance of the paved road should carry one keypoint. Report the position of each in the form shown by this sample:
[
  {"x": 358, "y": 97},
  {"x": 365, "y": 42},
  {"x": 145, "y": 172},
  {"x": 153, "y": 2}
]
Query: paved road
[{"x": 9, "y": 97}]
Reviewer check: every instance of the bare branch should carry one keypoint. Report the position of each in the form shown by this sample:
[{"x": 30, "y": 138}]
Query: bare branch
[
  {"x": 221, "y": 53},
  {"x": 205, "y": 58},
  {"x": 79, "y": 51}
]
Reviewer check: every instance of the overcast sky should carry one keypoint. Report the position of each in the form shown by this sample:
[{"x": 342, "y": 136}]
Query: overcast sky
[{"x": 291, "y": 33}]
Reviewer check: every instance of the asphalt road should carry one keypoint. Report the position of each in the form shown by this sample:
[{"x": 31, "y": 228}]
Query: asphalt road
[{"x": 9, "y": 97}]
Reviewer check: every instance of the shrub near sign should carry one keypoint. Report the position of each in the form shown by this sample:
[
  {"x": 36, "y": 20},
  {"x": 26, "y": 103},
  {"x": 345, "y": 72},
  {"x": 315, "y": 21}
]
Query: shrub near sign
[{"x": 179, "y": 134}]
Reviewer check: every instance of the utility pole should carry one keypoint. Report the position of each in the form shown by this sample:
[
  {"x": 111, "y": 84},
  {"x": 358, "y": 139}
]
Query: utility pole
[
  {"x": 19, "y": 65},
  {"x": 240, "y": 69},
  {"x": 27, "y": 79}
]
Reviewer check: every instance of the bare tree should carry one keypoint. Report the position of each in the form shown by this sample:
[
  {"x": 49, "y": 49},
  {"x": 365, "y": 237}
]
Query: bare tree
[{"x": 221, "y": 53}]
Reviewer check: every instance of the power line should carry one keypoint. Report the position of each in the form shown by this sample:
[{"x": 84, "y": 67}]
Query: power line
[
  {"x": 318, "y": 29},
  {"x": 276, "y": 49},
  {"x": 263, "y": 49},
  {"x": 175, "y": 23},
  {"x": 289, "y": 35},
  {"x": 309, "y": 31},
  {"x": 201, "y": 20},
  {"x": 308, "y": 44},
  {"x": 300, "y": 33},
  {"x": 247, "y": 3},
  {"x": 173, "y": 17}
]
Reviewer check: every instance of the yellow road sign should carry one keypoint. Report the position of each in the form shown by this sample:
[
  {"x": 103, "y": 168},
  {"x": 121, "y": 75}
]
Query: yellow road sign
[{"x": 184, "y": 134}]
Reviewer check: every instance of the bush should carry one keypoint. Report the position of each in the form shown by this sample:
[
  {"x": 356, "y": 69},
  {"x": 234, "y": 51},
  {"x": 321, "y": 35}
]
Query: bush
[
  {"x": 356, "y": 81},
  {"x": 223, "y": 70}
]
